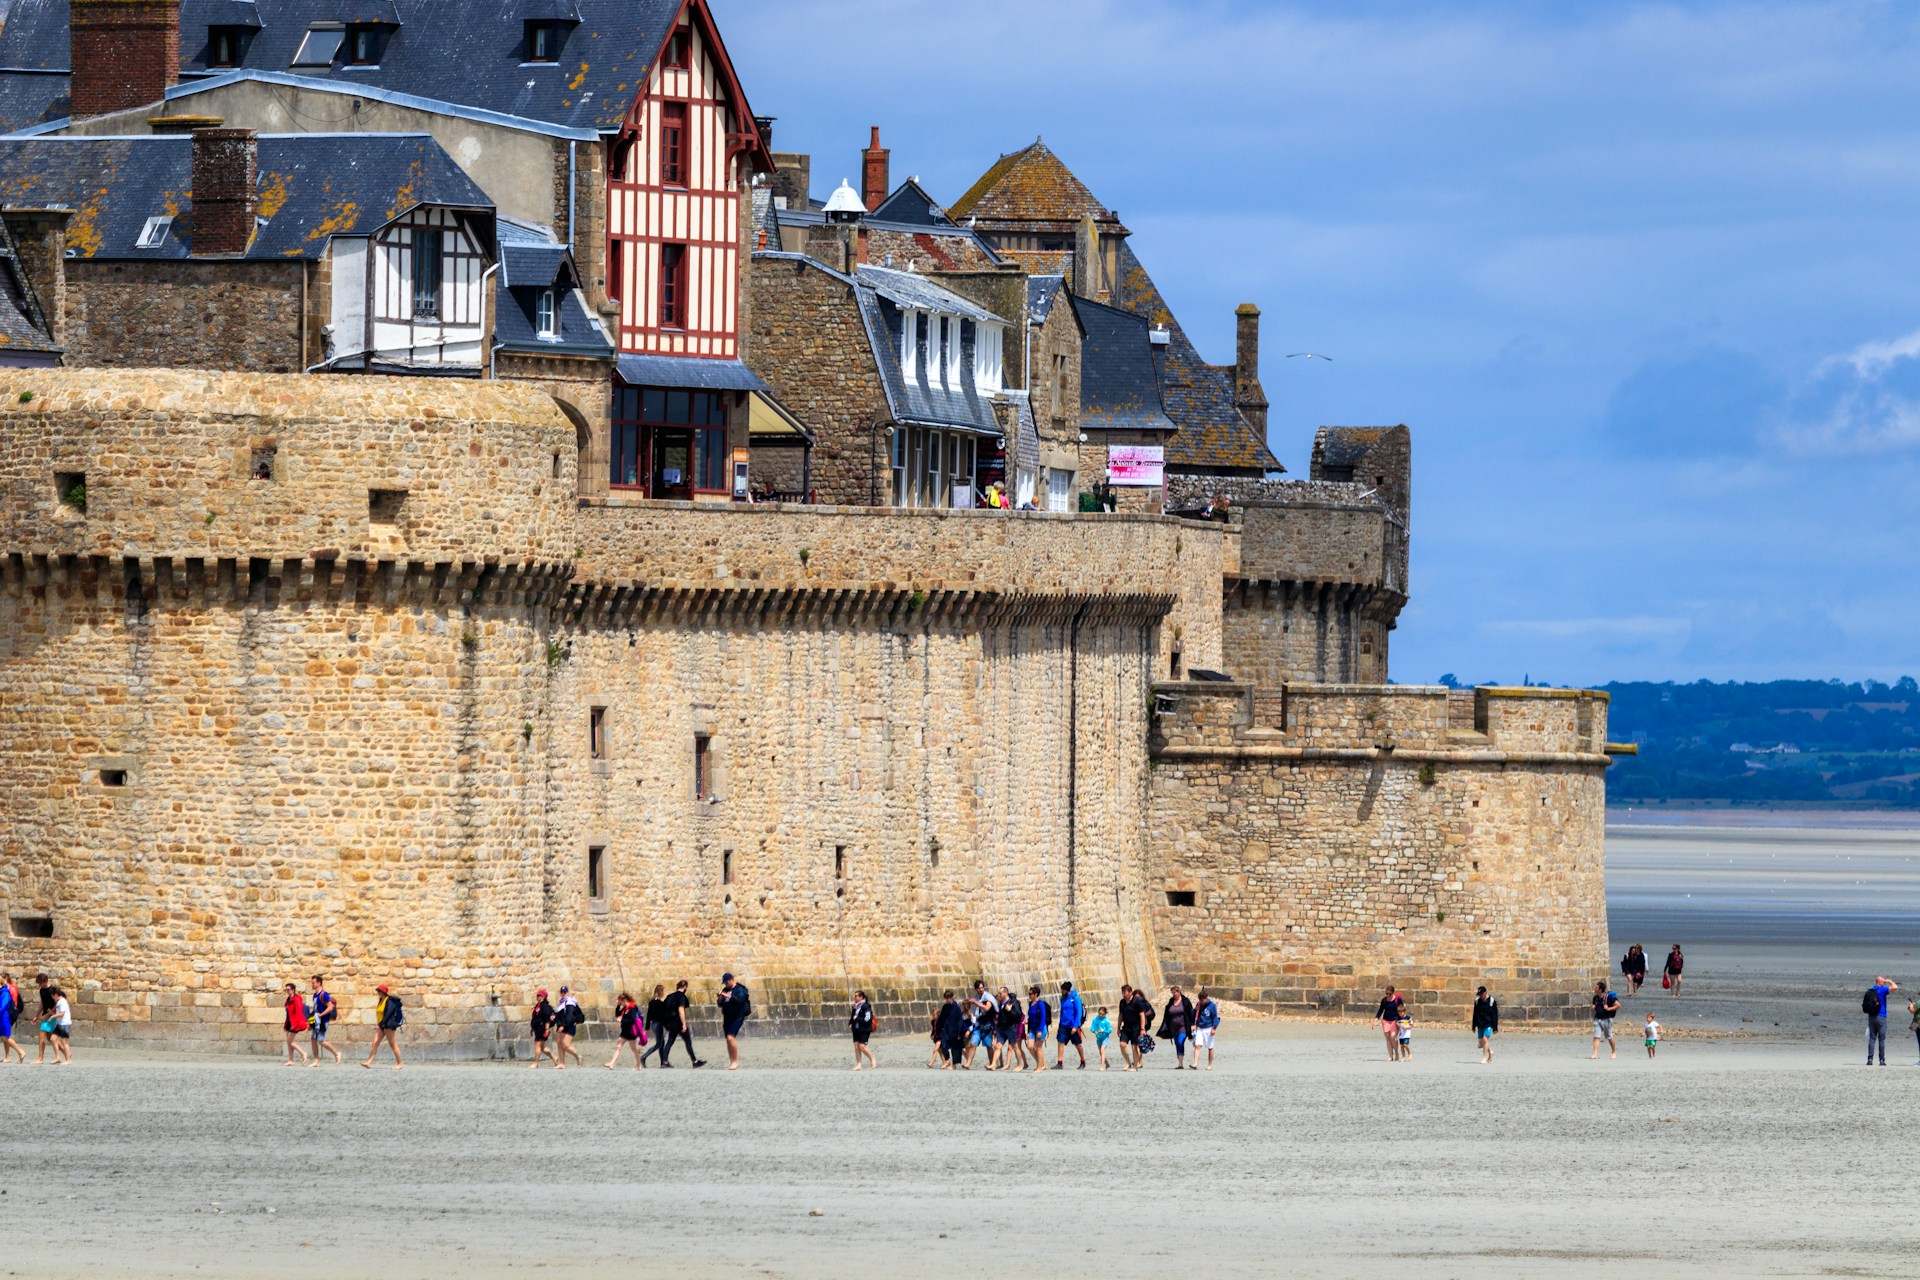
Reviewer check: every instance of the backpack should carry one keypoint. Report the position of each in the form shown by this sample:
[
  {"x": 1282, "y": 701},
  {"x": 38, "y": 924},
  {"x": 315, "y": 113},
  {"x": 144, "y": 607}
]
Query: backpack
[
  {"x": 395, "y": 1014},
  {"x": 746, "y": 999},
  {"x": 1870, "y": 1003}
]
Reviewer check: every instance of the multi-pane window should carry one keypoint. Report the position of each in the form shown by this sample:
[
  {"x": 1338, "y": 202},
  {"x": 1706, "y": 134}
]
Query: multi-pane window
[
  {"x": 673, "y": 286},
  {"x": 920, "y": 326},
  {"x": 669, "y": 443},
  {"x": 429, "y": 271},
  {"x": 702, "y": 767},
  {"x": 678, "y": 46},
  {"x": 673, "y": 144},
  {"x": 546, "y": 323}
]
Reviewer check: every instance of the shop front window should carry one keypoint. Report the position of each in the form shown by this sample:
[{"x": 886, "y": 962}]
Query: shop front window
[{"x": 669, "y": 444}]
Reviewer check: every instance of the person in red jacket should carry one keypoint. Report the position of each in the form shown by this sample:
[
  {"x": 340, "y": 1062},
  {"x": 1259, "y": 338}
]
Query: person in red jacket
[{"x": 295, "y": 1025}]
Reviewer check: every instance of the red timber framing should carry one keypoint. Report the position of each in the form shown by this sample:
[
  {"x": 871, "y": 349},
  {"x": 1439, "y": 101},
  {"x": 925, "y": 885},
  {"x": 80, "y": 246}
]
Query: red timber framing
[{"x": 682, "y": 165}]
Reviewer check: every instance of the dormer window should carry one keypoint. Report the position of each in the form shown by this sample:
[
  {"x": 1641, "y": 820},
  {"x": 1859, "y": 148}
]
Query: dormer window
[
  {"x": 364, "y": 45},
  {"x": 545, "y": 313},
  {"x": 227, "y": 45},
  {"x": 679, "y": 44},
  {"x": 320, "y": 45},
  {"x": 543, "y": 42}
]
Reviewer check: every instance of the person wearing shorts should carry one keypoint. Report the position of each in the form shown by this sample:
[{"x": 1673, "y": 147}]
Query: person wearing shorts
[
  {"x": 1606, "y": 1007},
  {"x": 293, "y": 1023},
  {"x": 1102, "y": 1027},
  {"x": 1039, "y": 1019},
  {"x": 9, "y": 1011},
  {"x": 59, "y": 1028},
  {"x": 1392, "y": 1008},
  {"x": 633, "y": 1034},
  {"x": 1486, "y": 1023},
  {"x": 1653, "y": 1035},
  {"x": 325, "y": 1010},
  {"x": 1206, "y": 1021},
  {"x": 860, "y": 1023},
  {"x": 1073, "y": 1013},
  {"x": 540, "y": 1027},
  {"x": 979, "y": 1012}
]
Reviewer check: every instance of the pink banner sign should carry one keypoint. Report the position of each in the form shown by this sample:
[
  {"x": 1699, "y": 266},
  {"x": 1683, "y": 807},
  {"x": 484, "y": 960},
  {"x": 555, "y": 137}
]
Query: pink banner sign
[{"x": 1136, "y": 464}]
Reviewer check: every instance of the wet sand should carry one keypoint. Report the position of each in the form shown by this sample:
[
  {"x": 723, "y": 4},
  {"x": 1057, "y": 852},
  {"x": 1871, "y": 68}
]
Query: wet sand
[{"x": 1756, "y": 1145}]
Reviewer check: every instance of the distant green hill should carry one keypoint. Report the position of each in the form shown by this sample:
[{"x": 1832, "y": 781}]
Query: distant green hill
[{"x": 1787, "y": 742}]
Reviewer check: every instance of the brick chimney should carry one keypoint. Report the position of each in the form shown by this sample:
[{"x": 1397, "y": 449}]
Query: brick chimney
[
  {"x": 225, "y": 173},
  {"x": 126, "y": 53},
  {"x": 1248, "y": 395},
  {"x": 877, "y": 167}
]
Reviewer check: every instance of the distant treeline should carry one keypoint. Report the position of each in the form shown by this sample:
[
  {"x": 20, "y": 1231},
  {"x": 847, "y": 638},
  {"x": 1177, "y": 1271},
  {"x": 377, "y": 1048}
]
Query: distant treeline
[{"x": 1785, "y": 742}]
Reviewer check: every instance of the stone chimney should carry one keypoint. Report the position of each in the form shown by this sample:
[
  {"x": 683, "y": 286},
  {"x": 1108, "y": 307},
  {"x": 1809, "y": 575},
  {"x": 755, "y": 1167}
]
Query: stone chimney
[
  {"x": 125, "y": 53},
  {"x": 1247, "y": 393},
  {"x": 225, "y": 173},
  {"x": 876, "y": 166}
]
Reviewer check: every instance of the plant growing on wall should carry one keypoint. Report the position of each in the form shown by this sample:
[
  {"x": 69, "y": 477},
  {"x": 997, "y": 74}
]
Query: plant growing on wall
[
  {"x": 1428, "y": 775},
  {"x": 76, "y": 495}
]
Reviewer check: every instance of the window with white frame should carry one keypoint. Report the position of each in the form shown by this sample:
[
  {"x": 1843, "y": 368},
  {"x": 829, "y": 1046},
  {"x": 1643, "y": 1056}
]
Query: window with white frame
[
  {"x": 545, "y": 320},
  {"x": 1059, "y": 489},
  {"x": 987, "y": 356}
]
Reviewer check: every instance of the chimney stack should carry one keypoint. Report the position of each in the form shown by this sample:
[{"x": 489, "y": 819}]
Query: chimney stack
[
  {"x": 225, "y": 174},
  {"x": 1248, "y": 396},
  {"x": 125, "y": 53},
  {"x": 877, "y": 168}
]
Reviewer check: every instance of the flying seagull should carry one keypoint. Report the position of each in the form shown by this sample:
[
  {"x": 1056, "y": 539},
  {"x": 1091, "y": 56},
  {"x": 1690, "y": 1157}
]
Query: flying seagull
[{"x": 1310, "y": 355}]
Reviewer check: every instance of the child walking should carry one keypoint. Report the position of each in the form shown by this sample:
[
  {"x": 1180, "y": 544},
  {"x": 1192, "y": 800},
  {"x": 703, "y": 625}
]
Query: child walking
[
  {"x": 1653, "y": 1035},
  {"x": 1406, "y": 1039},
  {"x": 1102, "y": 1032}
]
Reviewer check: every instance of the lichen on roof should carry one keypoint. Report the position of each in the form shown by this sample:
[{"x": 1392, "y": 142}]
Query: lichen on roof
[{"x": 1032, "y": 185}]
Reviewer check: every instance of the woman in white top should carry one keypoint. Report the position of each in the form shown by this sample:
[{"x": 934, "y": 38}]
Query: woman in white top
[{"x": 62, "y": 1019}]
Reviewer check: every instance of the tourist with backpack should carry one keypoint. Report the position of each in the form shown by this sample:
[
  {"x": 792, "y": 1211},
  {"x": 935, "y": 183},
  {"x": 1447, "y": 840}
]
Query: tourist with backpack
[
  {"x": 1039, "y": 1019},
  {"x": 1387, "y": 1015},
  {"x": 567, "y": 1021},
  {"x": 324, "y": 1010},
  {"x": 1486, "y": 1023},
  {"x": 1670, "y": 976},
  {"x": 1606, "y": 1007},
  {"x": 9, "y": 1013},
  {"x": 294, "y": 1024},
  {"x": 1874, "y": 1005},
  {"x": 1009, "y": 1026},
  {"x": 388, "y": 1016},
  {"x": 1633, "y": 967},
  {"x": 633, "y": 1031},
  {"x": 860, "y": 1023},
  {"x": 736, "y": 1006},
  {"x": 1073, "y": 1016},
  {"x": 1206, "y": 1021},
  {"x": 1143, "y": 1024}
]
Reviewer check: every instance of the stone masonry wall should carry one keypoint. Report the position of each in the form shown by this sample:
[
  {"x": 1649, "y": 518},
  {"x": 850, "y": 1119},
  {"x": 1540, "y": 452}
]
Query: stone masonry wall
[
  {"x": 187, "y": 315},
  {"x": 1310, "y": 846}
]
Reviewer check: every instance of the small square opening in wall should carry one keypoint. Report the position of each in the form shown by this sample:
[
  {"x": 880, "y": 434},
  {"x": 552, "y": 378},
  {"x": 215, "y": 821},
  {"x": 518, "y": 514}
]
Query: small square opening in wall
[
  {"x": 386, "y": 506},
  {"x": 597, "y": 874},
  {"x": 261, "y": 466},
  {"x": 113, "y": 777},
  {"x": 70, "y": 489},
  {"x": 1179, "y": 897},
  {"x": 32, "y": 926}
]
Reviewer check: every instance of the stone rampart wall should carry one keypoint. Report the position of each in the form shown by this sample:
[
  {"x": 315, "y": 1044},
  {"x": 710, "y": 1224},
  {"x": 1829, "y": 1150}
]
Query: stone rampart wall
[{"x": 1299, "y": 864}]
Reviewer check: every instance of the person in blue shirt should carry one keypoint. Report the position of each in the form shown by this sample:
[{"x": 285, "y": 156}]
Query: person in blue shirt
[
  {"x": 1877, "y": 1022},
  {"x": 1073, "y": 1015},
  {"x": 1206, "y": 1021},
  {"x": 1039, "y": 1018},
  {"x": 9, "y": 1010}
]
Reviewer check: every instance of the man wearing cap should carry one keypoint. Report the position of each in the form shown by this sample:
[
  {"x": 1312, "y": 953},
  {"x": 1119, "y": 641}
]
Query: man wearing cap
[
  {"x": 735, "y": 1007},
  {"x": 387, "y": 1017}
]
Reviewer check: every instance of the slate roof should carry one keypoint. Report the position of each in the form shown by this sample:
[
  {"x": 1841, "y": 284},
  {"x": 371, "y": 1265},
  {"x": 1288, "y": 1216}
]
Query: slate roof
[
  {"x": 312, "y": 187},
  {"x": 530, "y": 264},
  {"x": 1041, "y": 293},
  {"x": 1119, "y": 378},
  {"x": 28, "y": 98},
  {"x": 1213, "y": 435},
  {"x": 909, "y": 289},
  {"x": 23, "y": 330},
  {"x": 469, "y": 52},
  {"x": 910, "y": 205},
  {"x": 690, "y": 372},
  {"x": 1032, "y": 186},
  {"x": 778, "y": 217}
]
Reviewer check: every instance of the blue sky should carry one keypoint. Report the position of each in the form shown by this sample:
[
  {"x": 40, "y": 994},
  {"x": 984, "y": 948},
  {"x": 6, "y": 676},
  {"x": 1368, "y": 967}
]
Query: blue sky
[{"x": 1644, "y": 279}]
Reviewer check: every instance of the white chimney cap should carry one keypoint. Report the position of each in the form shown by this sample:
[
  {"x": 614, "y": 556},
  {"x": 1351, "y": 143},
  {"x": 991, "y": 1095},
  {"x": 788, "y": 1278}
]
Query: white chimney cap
[
  {"x": 846, "y": 200},
  {"x": 1159, "y": 336}
]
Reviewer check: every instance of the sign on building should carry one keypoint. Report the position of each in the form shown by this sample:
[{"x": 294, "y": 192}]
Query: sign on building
[{"x": 1136, "y": 464}]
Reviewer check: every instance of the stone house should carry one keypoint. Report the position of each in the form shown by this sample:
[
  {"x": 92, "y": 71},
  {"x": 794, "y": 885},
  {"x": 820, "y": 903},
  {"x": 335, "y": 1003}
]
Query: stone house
[
  {"x": 616, "y": 127},
  {"x": 901, "y": 378},
  {"x": 320, "y": 252}
]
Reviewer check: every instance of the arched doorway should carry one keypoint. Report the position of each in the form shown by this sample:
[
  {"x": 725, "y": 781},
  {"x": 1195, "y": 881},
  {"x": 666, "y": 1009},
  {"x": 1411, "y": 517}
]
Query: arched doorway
[{"x": 591, "y": 478}]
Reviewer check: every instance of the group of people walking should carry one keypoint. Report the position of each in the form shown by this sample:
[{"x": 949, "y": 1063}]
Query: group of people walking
[
  {"x": 1013, "y": 1036},
  {"x": 313, "y": 1015},
  {"x": 56, "y": 1022},
  {"x": 645, "y": 1033},
  {"x": 1633, "y": 967}
]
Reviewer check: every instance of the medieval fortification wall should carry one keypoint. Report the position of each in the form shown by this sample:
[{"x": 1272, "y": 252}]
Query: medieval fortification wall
[{"x": 298, "y": 677}]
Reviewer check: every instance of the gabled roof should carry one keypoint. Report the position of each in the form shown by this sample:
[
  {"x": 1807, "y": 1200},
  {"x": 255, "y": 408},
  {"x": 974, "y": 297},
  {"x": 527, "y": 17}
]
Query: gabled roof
[
  {"x": 530, "y": 264},
  {"x": 1032, "y": 186},
  {"x": 312, "y": 187},
  {"x": 908, "y": 289},
  {"x": 1041, "y": 293},
  {"x": 1199, "y": 397},
  {"x": 470, "y": 52},
  {"x": 1119, "y": 382},
  {"x": 912, "y": 206}
]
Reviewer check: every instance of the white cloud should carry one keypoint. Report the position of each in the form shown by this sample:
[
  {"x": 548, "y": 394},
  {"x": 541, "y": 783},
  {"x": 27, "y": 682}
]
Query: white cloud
[{"x": 1863, "y": 402}]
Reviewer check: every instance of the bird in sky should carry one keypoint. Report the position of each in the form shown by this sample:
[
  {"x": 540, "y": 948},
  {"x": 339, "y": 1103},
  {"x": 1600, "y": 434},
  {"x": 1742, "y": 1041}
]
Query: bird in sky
[{"x": 1310, "y": 355}]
